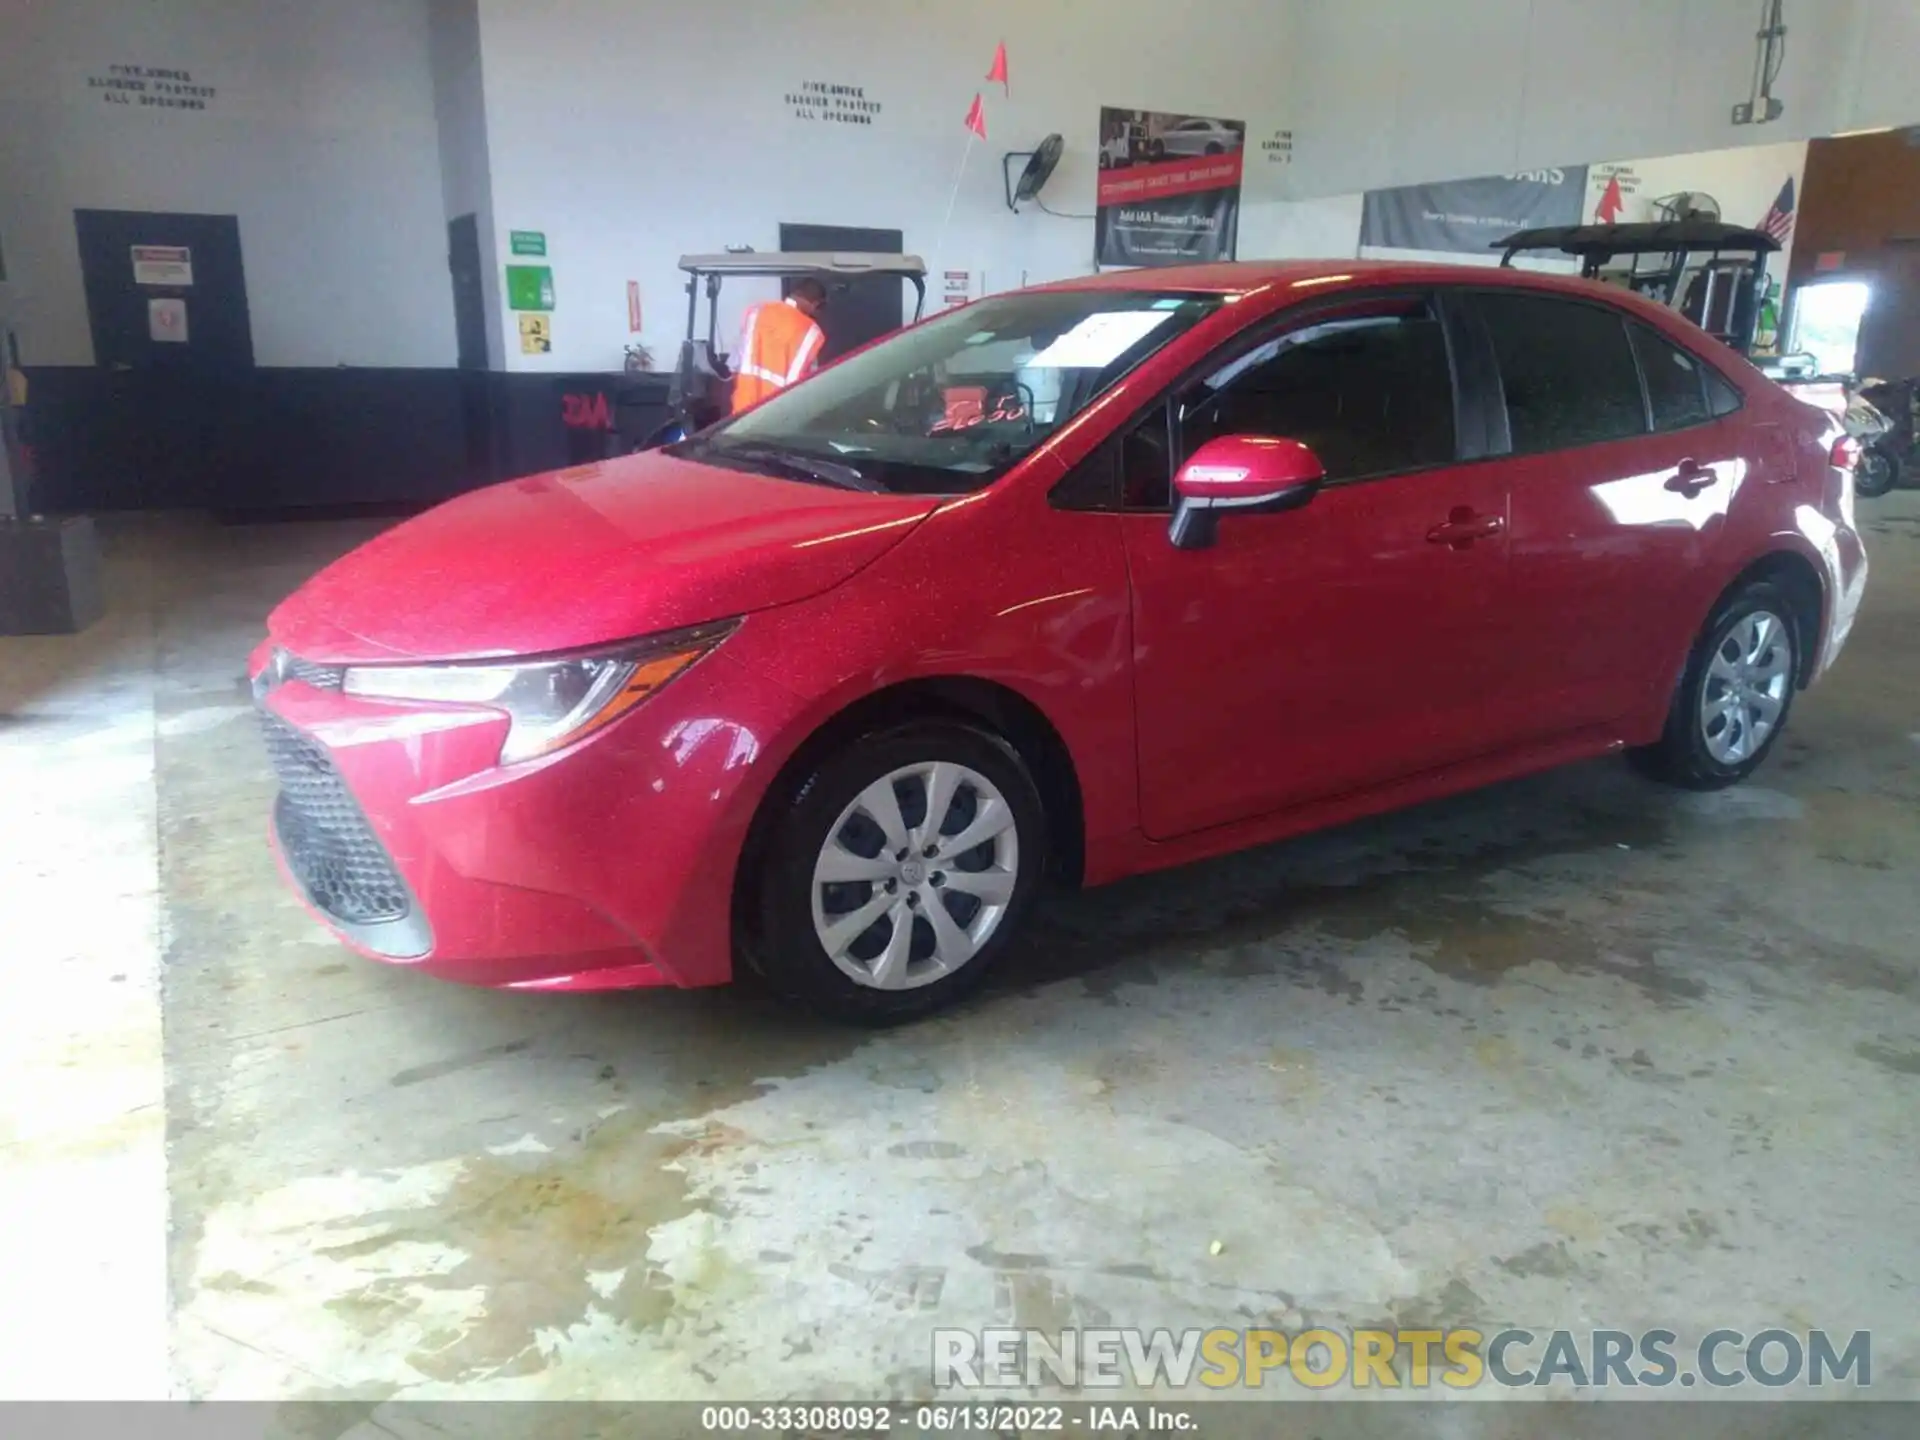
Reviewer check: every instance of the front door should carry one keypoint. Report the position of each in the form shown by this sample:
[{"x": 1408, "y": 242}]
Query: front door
[
  {"x": 1340, "y": 646},
  {"x": 165, "y": 291},
  {"x": 860, "y": 309}
]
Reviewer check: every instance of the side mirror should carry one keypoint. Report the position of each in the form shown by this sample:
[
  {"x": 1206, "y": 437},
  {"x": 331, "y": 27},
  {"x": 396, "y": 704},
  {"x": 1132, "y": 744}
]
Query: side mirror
[{"x": 1243, "y": 475}]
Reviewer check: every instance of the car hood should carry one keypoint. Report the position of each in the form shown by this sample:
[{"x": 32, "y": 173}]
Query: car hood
[{"x": 581, "y": 557}]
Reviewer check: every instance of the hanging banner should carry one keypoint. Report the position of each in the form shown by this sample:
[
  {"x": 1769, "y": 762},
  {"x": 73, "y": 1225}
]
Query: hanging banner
[
  {"x": 1468, "y": 216},
  {"x": 1169, "y": 188}
]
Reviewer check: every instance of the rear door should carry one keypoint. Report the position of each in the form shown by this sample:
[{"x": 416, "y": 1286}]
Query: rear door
[
  {"x": 1339, "y": 646},
  {"x": 1620, "y": 477}
]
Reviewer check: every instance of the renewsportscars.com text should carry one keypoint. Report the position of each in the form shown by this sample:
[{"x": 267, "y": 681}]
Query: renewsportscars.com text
[{"x": 1456, "y": 1359}]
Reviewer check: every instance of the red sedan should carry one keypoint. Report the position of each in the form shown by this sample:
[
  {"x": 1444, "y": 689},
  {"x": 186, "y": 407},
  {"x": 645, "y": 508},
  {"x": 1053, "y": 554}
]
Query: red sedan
[{"x": 1071, "y": 583}]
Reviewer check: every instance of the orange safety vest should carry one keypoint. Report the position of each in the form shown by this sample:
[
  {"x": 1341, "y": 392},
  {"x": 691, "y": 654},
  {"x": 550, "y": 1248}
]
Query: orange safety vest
[{"x": 778, "y": 345}]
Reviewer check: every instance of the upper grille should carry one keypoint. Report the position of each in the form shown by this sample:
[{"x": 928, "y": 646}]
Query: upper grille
[
  {"x": 321, "y": 677},
  {"x": 329, "y": 846}
]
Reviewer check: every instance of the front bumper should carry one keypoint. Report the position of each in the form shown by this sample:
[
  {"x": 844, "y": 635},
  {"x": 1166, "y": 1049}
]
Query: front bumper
[{"x": 606, "y": 865}]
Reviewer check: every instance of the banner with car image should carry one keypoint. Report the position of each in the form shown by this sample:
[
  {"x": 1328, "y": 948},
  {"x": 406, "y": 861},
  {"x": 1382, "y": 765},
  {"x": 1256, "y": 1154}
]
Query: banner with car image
[{"x": 1169, "y": 188}]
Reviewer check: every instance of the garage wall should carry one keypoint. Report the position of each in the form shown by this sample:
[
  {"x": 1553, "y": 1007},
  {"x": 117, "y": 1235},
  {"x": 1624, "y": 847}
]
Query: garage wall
[
  {"x": 1395, "y": 92},
  {"x": 320, "y": 137},
  {"x": 632, "y": 134}
]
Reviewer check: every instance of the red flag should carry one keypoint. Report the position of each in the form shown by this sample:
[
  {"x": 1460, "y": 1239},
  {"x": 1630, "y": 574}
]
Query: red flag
[
  {"x": 977, "y": 118},
  {"x": 998, "y": 74},
  {"x": 1611, "y": 203}
]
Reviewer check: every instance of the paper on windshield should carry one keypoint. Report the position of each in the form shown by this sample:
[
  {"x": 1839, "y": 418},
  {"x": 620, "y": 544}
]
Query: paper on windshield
[{"x": 1097, "y": 341}]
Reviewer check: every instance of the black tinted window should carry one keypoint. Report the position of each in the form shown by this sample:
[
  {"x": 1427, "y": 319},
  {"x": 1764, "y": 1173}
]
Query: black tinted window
[
  {"x": 1370, "y": 392},
  {"x": 1567, "y": 370},
  {"x": 1146, "y": 463},
  {"x": 1675, "y": 387}
]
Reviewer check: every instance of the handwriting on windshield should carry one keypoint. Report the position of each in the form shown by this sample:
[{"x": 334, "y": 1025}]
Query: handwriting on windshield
[{"x": 966, "y": 419}]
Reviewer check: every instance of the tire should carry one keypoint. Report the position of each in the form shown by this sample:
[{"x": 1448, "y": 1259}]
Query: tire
[
  {"x": 884, "y": 973},
  {"x": 1876, "y": 474},
  {"x": 1708, "y": 751}
]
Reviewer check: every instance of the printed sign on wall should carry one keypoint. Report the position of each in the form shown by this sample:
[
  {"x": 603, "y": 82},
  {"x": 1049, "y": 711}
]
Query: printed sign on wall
[
  {"x": 529, "y": 287},
  {"x": 151, "y": 86},
  {"x": 1169, "y": 188},
  {"x": 1611, "y": 192},
  {"x": 536, "y": 334},
  {"x": 837, "y": 104},
  {"x": 162, "y": 265},
  {"x": 1470, "y": 216}
]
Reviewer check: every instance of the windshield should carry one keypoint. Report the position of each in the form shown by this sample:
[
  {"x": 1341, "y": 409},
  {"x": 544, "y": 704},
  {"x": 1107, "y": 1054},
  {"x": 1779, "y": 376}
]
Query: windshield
[{"x": 949, "y": 406}]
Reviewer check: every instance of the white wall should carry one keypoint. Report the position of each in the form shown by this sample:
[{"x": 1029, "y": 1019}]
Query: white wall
[
  {"x": 321, "y": 139},
  {"x": 1745, "y": 181},
  {"x": 632, "y": 134},
  {"x": 1395, "y": 92}
]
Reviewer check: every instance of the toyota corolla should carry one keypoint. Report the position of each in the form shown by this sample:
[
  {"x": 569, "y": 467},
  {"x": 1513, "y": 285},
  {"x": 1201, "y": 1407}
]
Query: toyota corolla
[{"x": 1069, "y": 584}]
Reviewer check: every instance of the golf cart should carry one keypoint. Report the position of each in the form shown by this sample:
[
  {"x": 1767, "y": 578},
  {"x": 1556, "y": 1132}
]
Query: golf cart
[
  {"x": 702, "y": 380},
  {"x": 1713, "y": 273}
]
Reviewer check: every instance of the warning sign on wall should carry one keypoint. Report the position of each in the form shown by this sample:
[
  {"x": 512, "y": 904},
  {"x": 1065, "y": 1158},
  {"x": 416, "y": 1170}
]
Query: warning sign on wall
[
  {"x": 162, "y": 265},
  {"x": 536, "y": 334}
]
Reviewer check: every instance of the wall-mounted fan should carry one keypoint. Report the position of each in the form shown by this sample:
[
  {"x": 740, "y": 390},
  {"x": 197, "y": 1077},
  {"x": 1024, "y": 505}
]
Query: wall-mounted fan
[
  {"x": 1687, "y": 205},
  {"x": 1040, "y": 163}
]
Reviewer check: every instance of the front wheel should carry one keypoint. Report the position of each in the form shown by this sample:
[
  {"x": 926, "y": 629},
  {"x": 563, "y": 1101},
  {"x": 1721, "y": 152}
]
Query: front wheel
[
  {"x": 896, "y": 874},
  {"x": 1733, "y": 700},
  {"x": 1876, "y": 473}
]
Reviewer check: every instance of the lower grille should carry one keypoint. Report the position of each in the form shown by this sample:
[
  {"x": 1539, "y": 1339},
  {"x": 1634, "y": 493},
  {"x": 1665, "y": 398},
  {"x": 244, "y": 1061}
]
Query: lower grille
[{"x": 329, "y": 846}]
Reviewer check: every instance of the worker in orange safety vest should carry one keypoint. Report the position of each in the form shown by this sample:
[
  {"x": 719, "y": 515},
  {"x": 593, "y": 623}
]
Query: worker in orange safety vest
[{"x": 779, "y": 344}]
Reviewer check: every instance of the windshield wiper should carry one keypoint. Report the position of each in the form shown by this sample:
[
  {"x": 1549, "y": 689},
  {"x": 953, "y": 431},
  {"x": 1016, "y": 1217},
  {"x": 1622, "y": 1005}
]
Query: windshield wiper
[{"x": 808, "y": 467}]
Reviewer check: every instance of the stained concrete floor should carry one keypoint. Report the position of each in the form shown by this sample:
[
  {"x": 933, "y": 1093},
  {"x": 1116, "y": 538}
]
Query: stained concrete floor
[{"x": 1574, "y": 1051}]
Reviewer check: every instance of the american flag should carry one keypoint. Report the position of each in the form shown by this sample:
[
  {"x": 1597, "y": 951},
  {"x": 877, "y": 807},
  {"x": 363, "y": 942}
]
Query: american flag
[{"x": 1779, "y": 220}]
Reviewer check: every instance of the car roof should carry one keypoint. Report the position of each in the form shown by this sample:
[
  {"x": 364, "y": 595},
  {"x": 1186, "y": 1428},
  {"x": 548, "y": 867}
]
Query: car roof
[{"x": 1247, "y": 277}]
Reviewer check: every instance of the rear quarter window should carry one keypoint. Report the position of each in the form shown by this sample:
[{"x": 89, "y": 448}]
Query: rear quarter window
[{"x": 1676, "y": 381}]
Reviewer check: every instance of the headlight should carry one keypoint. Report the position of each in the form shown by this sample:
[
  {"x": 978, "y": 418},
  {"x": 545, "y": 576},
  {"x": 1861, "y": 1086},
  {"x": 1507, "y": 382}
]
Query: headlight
[{"x": 550, "y": 702}]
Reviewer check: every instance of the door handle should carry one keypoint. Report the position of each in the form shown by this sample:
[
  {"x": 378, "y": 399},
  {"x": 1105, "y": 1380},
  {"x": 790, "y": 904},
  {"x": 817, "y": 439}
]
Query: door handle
[
  {"x": 1463, "y": 527},
  {"x": 1690, "y": 479}
]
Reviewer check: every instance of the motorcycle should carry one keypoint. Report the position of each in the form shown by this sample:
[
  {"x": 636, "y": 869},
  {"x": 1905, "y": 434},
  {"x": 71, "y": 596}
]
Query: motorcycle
[{"x": 1888, "y": 453}]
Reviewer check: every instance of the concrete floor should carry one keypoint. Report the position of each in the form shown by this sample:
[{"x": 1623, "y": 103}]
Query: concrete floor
[{"x": 1575, "y": 1051}]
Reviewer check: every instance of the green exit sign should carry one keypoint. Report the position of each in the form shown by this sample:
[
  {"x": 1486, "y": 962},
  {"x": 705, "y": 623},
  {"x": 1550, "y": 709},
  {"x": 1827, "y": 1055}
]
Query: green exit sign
[{"x": 529, "y": 242}]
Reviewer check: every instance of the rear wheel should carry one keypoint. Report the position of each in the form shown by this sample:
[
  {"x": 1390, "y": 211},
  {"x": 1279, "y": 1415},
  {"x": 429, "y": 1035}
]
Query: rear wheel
[
  {"x": 1733, "y": 701},
  {"x": 898, "y": 872},
  {"x": 1876, "y": 473}
]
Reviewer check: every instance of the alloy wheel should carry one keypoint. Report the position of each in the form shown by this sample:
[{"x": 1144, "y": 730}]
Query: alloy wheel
[
  {"x": 916, "y": 875},
  {"x": 1746, "y": 686}
]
